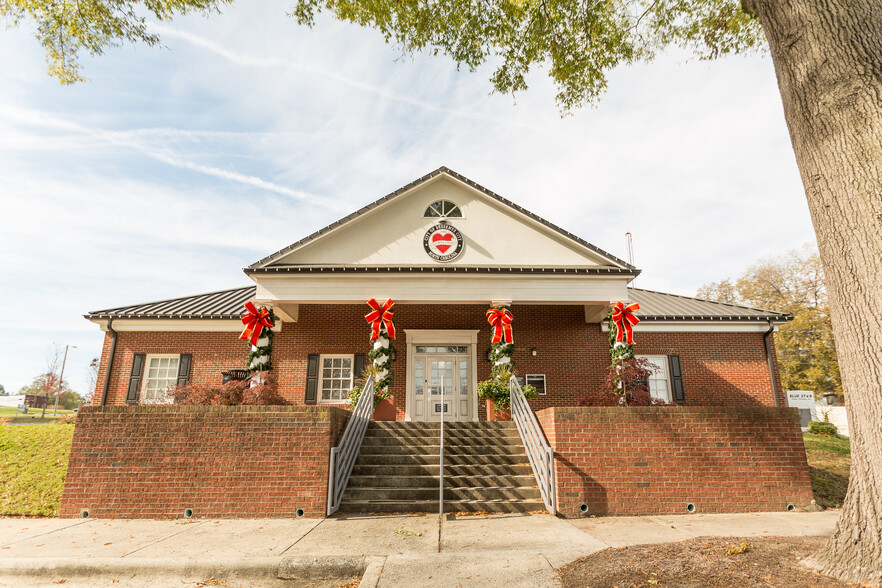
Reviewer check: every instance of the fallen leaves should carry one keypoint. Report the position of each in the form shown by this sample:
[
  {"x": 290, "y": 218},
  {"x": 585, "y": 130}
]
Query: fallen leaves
[{"x": 744, "y": 547}]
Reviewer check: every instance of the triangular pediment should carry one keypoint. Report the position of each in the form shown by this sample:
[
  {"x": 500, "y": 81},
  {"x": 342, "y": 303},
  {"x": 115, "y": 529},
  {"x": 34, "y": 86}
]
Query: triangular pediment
[{"x": 391, "y": 232}]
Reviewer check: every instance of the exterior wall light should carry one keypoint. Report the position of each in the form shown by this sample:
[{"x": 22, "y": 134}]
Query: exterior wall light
[{"x": 533, "y": 351}]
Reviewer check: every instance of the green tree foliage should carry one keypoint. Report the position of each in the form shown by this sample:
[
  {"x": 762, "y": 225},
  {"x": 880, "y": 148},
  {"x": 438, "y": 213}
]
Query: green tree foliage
[
  {"x": 3, "y": 391},
  {"x": 65, "y": 29},
  {"x": 792, "y": 283},
  {"x": 578, "y": 42}
]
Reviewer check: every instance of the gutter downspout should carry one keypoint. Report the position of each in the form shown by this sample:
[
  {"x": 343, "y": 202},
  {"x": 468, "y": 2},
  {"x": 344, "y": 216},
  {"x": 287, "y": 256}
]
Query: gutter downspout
[
  {"x": 766, "y": 339},
  {"x": 114, "y": 334}
]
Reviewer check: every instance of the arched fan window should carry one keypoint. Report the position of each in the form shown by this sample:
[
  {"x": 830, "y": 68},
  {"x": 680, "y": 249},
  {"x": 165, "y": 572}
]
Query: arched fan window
[{"x": 443, "y": 208}]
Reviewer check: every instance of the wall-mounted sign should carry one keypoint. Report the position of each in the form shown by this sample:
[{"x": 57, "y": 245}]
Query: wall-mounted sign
[{"x": 443, "y": 242}]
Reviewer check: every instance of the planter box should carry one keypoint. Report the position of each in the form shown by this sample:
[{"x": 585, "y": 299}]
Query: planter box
[
  {"x": 497, "y": 415},
  {"x": 385, "y": 410}
]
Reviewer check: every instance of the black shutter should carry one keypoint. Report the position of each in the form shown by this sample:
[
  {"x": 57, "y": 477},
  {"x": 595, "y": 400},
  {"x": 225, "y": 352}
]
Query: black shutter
[
  {"x": 312, "y": 369},
  {"x": 135, "y": 378},
  {"x": 358, "y": 366},
  {"x": 676, "y": 379},
  {"x": 184, "y": 368}
]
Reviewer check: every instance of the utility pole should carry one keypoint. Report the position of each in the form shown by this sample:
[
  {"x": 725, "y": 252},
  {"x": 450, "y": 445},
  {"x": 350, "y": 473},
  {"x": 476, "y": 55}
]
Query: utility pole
[{"x": 61, "y": 379}]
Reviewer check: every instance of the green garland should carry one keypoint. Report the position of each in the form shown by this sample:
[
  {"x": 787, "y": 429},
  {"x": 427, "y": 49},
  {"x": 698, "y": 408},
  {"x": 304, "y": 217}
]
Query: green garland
[
  {"x": 381, "y": 358},
  {"x": 617, "y": 351},
  {"x": 262, "y": 350},
  {"x": 380, "y": 361},
  {"x": 497, "y": 352}
]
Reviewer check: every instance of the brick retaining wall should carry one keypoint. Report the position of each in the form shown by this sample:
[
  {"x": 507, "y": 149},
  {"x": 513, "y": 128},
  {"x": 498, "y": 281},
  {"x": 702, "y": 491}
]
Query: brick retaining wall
[
  {"x": 656, "y": 460},
  {"x": 220, "y": 461}
]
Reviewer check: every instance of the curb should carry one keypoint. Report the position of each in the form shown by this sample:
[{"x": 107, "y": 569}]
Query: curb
[
  {"x": 328, "y": 567},
  {"x": 72, "y": 567}
]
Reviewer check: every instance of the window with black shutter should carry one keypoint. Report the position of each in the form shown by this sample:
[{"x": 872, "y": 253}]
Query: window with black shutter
[
  {"x": 135, "y": 378},
  {"x": 677, "y": 391},
  {"x": 312, "y": 368},
  {"x": 184, "y": 363}
]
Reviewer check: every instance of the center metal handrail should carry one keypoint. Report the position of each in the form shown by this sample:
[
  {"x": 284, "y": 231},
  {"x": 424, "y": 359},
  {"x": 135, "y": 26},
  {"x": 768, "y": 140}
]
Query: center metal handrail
[
  {"x": 343, "y": 456},
  {"x": 539, "y": 451}
]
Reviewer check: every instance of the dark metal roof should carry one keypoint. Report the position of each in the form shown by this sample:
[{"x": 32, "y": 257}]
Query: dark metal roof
[
  {"x": 658, "y": 306},
  {"x": 441, "y": 170},
  {"x": 228, "y": 304}
]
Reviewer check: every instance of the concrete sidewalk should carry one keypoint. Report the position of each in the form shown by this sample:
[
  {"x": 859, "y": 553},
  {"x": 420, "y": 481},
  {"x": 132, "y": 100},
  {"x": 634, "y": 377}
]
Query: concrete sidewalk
[{"x": 396, "y": 550}]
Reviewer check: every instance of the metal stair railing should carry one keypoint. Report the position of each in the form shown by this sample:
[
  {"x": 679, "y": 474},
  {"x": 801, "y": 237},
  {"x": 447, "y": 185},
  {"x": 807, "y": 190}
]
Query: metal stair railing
[
  {"x": 344, "y": 455},
  {"x": 539, "y": 451}
]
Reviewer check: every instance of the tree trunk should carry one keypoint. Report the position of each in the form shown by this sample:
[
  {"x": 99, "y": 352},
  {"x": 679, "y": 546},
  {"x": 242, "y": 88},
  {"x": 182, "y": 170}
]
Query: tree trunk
[{"x": 828, "y": 60}]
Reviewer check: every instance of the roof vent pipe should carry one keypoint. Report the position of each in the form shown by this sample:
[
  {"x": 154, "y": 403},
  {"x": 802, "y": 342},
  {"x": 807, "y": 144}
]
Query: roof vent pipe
[
  {"x": 767, "y": 339},
  {"x": 113, "y": 335}
]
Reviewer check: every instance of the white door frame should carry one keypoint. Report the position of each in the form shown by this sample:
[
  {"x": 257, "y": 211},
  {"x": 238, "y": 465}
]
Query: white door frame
[{"x": 416, "y": 337}]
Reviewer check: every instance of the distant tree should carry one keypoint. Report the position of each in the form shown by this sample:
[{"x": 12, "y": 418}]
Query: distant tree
[
  {"x": 792, "y": 283},
  {"x": 45, "y": 385},
  {"x": 70, "y": 400},
  {"x": 722, "y": 291},
  {"x": 3, "y": 391}
]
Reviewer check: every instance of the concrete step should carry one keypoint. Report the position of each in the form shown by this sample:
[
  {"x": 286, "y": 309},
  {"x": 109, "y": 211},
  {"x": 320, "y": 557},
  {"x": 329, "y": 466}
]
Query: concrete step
[
  {"x": 429, "y": 459},
  {"x": 412, "y": 426},
  {"x": 450, "y": 506},
  {"x": 449, "y": 470},
  {"x": 451, "y": 438},
  {"x": 412, "y": 493},
  {"x": 414, "y": 449},
  {"x": 432, "y": 481}
]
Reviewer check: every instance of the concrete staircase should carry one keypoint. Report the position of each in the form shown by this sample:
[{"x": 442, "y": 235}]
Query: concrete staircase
[{"x": 485, "y": 469}]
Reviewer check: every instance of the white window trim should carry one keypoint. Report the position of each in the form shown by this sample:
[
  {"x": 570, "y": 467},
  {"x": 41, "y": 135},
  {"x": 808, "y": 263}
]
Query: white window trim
[
  {"x": 145, "y": 377},
  {"x": 544, "y": 381},
  {"x": 666, "y": 363},
  {"x": 429, "y": 205},
  {"x": 320, "y": 382}
]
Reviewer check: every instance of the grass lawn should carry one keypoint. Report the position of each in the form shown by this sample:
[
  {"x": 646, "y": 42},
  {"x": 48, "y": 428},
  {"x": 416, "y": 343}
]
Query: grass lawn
[
  {"x": 829, "y": 460},
  {"x": 9, "y": 414},
  {"x": 33, "y": 463}
]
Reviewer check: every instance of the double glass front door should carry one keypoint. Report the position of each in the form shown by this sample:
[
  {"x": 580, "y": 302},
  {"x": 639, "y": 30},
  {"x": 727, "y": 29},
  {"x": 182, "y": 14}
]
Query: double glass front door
[{"x": 441, "y": 379}]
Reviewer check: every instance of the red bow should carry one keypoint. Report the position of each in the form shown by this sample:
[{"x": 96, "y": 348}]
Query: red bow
[
  {"x": 255, "y": 321},
  {"x": 624, "y": 320},
  {"x": 380, "y": 315},
  {"x": 501, "y": 319}
]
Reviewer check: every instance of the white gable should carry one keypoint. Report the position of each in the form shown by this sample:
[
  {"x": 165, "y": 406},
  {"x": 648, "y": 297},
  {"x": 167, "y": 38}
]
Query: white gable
[{"x": 494, "y": 234}]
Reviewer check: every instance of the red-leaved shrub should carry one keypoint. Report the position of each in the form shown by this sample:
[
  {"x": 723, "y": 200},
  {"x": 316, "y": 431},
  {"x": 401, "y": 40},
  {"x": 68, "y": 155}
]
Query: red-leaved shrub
[
  {"x": 626, "y": 384},
  {"x": 233, "y": 393}
]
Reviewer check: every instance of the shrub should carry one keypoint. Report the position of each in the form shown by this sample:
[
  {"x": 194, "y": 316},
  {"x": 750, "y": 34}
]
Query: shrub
[
  {"x": 233, "y": 393},
  {"x": 626, "y": 384},
  {"x": 496, "y": 389},
  {"x": 379, "y": 392},
  {"x": 819, "y": 428}
]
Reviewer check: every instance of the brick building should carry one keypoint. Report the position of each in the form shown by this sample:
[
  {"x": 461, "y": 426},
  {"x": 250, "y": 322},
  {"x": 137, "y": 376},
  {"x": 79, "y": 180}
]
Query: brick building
[{"x": 444, "y": 249}]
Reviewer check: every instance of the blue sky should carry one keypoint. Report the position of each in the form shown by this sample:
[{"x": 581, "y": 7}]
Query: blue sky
[{"x": 172, "y": 168}]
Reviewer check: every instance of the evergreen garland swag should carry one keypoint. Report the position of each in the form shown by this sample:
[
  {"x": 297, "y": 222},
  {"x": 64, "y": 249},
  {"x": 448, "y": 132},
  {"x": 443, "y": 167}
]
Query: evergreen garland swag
[
  {"x": 618, "y": 351},
  {"x": 380, "y": 367},
  {"x": 258, "y": 359}
]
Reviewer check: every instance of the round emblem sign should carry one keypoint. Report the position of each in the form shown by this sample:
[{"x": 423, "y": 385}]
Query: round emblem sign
[{"x": 443, "y": 242}]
